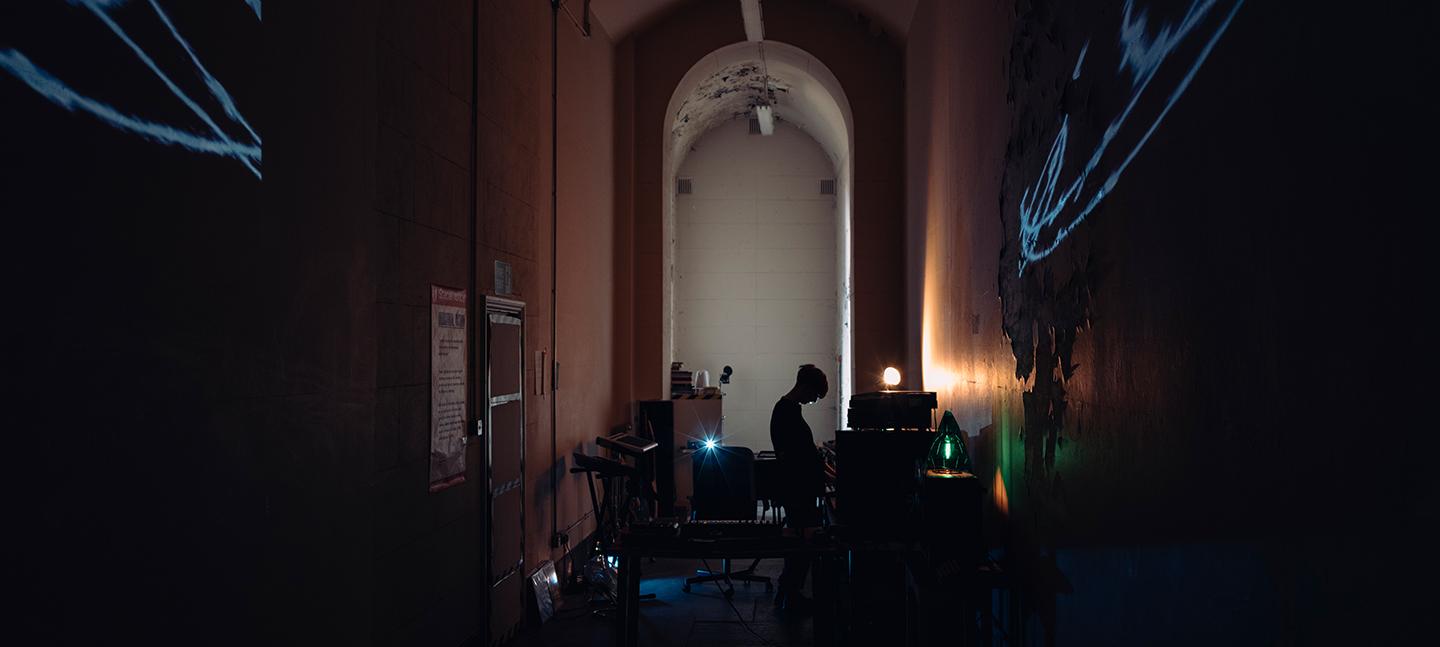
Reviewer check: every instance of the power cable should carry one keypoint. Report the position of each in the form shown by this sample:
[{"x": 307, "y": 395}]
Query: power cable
[{"x": 731, "y": 602}]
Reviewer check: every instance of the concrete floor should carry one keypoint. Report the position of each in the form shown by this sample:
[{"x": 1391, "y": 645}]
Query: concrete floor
[{"x": 701, "y": 618}]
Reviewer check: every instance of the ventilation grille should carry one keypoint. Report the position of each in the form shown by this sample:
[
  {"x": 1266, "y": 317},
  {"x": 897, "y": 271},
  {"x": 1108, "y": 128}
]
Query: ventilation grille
[
  {"x": 827, "y": 187},
  {"x": 684, "y": 187},
  {"x": 754, "y": 126}
]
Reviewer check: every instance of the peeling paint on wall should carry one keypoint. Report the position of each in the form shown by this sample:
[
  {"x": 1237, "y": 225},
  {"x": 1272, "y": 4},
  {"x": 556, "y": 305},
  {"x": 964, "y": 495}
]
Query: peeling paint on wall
[
  {"x": 725, "y": 95},
  {"x": 1061, "y": 100}
]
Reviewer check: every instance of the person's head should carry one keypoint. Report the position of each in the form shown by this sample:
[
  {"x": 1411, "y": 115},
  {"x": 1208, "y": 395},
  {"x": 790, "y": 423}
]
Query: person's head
[{"x": 810, "y": 384}]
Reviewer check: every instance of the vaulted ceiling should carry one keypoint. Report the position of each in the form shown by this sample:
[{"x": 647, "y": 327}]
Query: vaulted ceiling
[
  {"x": 620, "y": 17},
  {"x": 729, "y": 82}
]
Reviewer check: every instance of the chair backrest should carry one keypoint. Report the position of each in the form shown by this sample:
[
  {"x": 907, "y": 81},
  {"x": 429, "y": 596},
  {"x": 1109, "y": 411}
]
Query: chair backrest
[
  {"x": 724, "y": 483},
  {"x": 767, "y": 476}
]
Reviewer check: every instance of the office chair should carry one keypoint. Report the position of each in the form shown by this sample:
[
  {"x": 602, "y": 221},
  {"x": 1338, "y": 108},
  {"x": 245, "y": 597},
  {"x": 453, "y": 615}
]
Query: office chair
[
  {"x": 767, "y": 479},
  {"x": 724, "y": 485}
]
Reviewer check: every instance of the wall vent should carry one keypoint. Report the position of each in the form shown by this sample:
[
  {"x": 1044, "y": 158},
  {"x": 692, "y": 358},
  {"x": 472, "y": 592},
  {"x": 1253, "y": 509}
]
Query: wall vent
[
  {"x": 827, "y": 187},
  {"x": 754, "y": 126},
  {"x": 684, "y": 187}
]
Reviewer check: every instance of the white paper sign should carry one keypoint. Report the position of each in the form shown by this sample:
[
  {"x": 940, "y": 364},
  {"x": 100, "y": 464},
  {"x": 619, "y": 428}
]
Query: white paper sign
[{"x": 448, "y": 329}]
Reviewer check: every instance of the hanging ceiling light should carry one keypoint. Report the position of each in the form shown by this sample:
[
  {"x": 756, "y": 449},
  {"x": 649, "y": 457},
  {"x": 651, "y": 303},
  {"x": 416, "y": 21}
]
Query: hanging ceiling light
[
  {"x": 764, "y": 111},
  {"x": 766, "y": 116}
]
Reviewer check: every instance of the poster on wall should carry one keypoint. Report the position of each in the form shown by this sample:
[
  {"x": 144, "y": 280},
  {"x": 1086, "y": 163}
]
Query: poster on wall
[{"x": 447, "y": 387}]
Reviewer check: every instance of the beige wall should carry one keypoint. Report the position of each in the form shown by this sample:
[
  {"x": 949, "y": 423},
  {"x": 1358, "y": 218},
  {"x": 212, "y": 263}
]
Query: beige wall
[
  {"x": 755, "y": 268},
  {"x": 589, "y": 402},
  {"x": 425, "y": 82},
  {"x": 956, "y": 127}
]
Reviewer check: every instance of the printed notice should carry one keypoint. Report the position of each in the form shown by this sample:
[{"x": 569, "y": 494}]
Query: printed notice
[{"x": 447, "y": 387}]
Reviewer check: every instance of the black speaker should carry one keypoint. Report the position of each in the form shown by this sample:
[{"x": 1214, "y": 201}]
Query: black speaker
[
  {"x": 657, "y": 418},
  {"x": 950, "y": 518},
  {"x": 877, "y": 478}
]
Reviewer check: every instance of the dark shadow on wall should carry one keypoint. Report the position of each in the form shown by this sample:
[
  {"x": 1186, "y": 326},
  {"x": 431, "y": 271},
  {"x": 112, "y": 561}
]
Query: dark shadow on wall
[{"x": 1211, "y": 328}]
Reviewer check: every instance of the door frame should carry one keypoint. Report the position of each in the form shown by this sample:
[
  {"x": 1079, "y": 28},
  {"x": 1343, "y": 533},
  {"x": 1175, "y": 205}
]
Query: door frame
[{"x": 498, "y": 306}]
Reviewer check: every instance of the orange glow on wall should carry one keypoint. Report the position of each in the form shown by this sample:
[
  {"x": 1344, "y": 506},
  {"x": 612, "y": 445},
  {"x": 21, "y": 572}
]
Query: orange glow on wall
[
  {"x": 938, "y": 379},
  {"x": 1002, "y": 500}
]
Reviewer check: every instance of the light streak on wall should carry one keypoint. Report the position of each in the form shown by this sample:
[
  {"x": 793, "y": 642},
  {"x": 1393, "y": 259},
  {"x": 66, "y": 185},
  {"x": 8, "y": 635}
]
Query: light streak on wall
[
  {"x": 997, "y": 490},
  {"x": 216, "y": 89},
  {"x": 1142, "y": 51},
  {"x": 246, "y": 148}
]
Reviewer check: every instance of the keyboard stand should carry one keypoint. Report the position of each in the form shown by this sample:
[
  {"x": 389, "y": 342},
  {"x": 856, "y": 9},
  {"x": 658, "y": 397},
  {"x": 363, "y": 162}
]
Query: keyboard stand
[
  {"x": 728, "y": 576},
  {"x": 610, "y": 511}
]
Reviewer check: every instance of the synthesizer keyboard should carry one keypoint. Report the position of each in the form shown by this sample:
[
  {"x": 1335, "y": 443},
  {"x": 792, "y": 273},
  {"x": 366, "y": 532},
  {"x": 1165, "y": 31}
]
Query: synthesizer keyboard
[{"x": 728, "y": 529}]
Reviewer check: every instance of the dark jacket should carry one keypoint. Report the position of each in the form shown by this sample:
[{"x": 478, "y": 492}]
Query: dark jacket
[{"x": 801, "y": 470}]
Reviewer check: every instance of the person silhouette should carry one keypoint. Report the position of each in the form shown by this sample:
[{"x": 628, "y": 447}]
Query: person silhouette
[{"x": 801, "y": 477}]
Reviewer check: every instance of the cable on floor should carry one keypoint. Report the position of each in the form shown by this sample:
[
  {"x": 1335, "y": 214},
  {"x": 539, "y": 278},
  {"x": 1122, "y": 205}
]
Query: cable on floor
[{"x": 739, "y": 616}]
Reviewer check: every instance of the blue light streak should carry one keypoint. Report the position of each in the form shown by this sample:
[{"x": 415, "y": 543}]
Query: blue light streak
[
  {"x": 53, "y": 89},
  {"x": 1142, "y": 54},
  {"x": 61, "y": 94},
  {"x": 216, "y": 90}
]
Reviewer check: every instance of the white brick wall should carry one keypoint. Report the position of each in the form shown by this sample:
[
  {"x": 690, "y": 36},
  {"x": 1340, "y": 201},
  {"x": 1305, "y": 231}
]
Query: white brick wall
[{"x": 756, "y": 281}]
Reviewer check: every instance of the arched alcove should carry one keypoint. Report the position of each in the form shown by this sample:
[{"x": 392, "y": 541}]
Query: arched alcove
[{"x": 723, "y": 86}]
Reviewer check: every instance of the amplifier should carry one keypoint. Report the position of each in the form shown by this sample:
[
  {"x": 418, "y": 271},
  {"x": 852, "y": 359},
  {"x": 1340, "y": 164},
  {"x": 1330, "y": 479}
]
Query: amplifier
[
  {"x": 877, "y": 476},
  {"x": 892, "y": 410}
]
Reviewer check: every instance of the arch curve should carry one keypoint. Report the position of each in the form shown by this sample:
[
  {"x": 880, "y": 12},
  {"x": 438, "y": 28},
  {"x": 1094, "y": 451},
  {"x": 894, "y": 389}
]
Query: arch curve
[
  {"x": 725, "y": 83},
  {"x": 723, "y": 86}
]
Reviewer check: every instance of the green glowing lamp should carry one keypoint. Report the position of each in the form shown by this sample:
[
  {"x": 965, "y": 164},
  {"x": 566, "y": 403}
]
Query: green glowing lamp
[{"x": 948, "y": 456}]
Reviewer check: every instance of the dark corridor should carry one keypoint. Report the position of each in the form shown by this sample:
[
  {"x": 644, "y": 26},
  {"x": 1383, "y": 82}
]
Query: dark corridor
[{"x": 1162, "y": 261}]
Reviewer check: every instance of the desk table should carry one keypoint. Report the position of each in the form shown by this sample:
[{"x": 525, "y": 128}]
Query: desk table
[{"x": 631, "y": 551}]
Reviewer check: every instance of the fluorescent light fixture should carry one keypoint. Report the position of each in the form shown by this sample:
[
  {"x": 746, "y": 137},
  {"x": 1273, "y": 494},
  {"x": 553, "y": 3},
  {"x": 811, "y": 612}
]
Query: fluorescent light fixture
[
  {"x": 766, "y": 116},
  {"x": 754, "y": 25}
]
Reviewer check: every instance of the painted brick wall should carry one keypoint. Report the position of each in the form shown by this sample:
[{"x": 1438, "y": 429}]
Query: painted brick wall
[
  {"x": 590, "y": 402},
  {"x": 426, "y": 564},
  {"x": 429, "y": 546},
  {"x": 756, "y": 273}
]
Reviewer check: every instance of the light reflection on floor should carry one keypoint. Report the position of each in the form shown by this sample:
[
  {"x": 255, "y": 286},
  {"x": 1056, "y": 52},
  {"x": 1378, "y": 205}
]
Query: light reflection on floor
[{"x": 674, "y": 618}]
